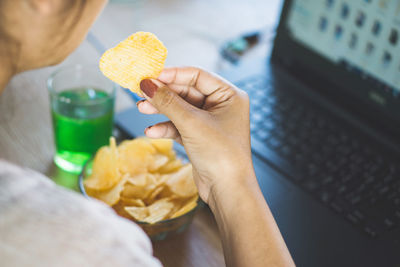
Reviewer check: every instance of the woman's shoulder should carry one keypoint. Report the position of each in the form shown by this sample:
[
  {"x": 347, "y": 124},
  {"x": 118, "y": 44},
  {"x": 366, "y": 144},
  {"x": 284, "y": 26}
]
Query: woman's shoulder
[{"x": 42, "y": 222}]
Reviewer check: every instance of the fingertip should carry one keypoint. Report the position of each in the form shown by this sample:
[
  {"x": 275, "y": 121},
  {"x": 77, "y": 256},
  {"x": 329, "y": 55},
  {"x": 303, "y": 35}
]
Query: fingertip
[
  {"x": 146, "y": 107},
  {"x": 139, "y": 102},
  {"x": 149, "y": 132}
]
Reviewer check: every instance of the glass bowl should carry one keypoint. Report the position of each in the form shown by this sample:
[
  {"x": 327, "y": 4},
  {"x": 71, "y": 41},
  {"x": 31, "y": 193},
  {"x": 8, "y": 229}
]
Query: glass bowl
[{"x": 157, "y": 231}]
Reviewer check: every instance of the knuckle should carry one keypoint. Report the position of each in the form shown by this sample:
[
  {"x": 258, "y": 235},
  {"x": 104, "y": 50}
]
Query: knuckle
[
  {"x": 167, "y": 98},
  {"x": 240, "y": 99},
  {"x": 194, "y": 69},
  {"x": 243, "y": 95}
]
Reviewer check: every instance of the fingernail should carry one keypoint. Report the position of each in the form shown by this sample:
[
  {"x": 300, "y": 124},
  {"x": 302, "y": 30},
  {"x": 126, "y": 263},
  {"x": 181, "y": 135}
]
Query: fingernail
[{"x": 148, "y": 87}]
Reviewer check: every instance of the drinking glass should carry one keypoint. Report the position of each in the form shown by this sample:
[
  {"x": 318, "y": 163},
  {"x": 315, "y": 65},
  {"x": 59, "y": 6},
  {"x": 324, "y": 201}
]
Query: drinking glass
[{"x": 82, "y": 108}]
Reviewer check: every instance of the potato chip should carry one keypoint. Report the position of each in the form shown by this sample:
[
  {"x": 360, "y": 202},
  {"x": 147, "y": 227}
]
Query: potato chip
[
  {"x": 139, "y": 187},
  {"x": 127, "y": 202},
  {"x": 164, "y": 146},
  {"x": 138, "y": 213},
  {"x": 159, "y": 210},
  {"x": 158, "y": 161},
  {"x": 132, "y": 202},
  {"x": 112, "y": 196},
  {"x": 171, "y": 166},
  {"x": 138, "y": 57},
  {"x": 181, "y": 182},
  {"x": 105, "y": 172},
  {"x": 135, "y": 156},
  {"x": 153, "y": 195},
  {"x": 162, "y": 179},
  {"x": 191, "y": 204}
]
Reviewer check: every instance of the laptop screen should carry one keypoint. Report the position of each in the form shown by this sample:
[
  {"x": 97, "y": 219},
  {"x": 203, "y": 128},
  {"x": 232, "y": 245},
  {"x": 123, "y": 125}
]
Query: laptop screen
[{"x": 358, "y": 40}]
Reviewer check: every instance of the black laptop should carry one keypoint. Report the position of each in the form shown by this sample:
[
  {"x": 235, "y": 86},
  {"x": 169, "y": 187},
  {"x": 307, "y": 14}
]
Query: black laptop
[{"x": 325, "y": 125}]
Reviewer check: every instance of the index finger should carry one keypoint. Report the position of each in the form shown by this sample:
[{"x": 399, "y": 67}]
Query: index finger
[{"x": 203, "y": 81}]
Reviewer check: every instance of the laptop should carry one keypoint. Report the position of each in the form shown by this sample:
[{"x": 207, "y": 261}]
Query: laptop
[{"x": 325, "y": 127}]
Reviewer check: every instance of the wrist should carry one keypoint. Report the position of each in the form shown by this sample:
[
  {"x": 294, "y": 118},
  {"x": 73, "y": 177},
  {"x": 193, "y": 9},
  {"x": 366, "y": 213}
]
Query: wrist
[{"x": 234, "y": 188}]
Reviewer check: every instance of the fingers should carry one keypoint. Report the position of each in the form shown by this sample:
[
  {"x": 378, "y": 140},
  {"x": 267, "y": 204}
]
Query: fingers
[
  {"x": 163, "y": 130},
  {"x": 190, "y": 94},
  {"x": 201, "y": 80},
  {"x": 167, "y": 102},
  {"x": 146, "y": 107}
]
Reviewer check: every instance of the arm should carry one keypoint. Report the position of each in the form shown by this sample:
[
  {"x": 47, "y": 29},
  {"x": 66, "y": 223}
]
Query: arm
[
  {"x": 210, "y": 117},
  {"x": 250, "y": 236}
]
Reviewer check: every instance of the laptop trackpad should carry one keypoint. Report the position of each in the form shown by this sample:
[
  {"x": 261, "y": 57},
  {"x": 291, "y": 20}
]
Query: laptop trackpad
[{"x": 272, "y": 187}]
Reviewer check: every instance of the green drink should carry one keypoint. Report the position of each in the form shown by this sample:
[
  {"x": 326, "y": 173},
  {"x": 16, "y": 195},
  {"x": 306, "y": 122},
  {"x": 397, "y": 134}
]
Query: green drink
[{"x": 82, "y": 121}]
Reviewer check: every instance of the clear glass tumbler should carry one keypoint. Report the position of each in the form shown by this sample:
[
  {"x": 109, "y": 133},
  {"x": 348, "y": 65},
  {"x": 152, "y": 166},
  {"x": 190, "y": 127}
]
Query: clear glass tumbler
[{"x": 82, "y": 108}]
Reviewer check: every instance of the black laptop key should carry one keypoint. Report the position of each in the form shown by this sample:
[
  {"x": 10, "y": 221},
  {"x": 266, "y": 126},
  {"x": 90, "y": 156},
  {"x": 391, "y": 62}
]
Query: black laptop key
[
  {"x": 327, "y": 179},
  {"x": 325, "y": 196},
  {"x": 337, "y": 206},
  {"x": 371, "y": 231},
  {"x": 310, "y": 185},
  {"x": 274, "y": 143},
  {"x": 353, "y": 219},
  {"x": 360, "y": 215},
  {"x": 389, "y": 223},
  {"x": 355, "y": 200},
  {"x": 397, "y": 214},
  {"x": 263, "y": 134}
]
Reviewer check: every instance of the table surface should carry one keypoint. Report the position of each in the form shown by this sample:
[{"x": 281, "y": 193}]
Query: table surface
[{"x": 193, "y": 31}]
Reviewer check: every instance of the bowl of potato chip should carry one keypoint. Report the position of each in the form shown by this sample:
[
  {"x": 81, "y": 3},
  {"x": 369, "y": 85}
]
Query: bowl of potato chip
[{"x": 144, "y": 181}]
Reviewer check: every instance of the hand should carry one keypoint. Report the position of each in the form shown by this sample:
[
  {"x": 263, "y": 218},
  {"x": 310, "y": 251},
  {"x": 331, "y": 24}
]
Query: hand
[{"x": 210, "y": 117}]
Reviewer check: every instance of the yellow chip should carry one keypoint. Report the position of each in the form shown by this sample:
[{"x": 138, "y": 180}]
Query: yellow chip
[
  {"x": 159, "y": 160},
  {"x": 191, "y": 204},
  {"x": 132, "y": 202},
  {"x": 138, "y": 57},
  {"x": 181, "y": 183},
  {"x": 105, "y": 172},
  {"x": 150, "y": 199},
  {"x": 112, "y": 196},
  {"x": 135, "y": 156},
  {"x": 164, "y": 146},
  {"x": 138, "y": 213},
  {"x": 159, "y": 210},
  {"x": 171, "y": 166},
  {"x": 126, "y": 202},
  {"x": 140, "y": 186}
]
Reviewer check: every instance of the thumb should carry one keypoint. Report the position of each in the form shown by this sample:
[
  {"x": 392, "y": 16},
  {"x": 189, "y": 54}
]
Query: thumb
[{"x": 167, "y": 102}]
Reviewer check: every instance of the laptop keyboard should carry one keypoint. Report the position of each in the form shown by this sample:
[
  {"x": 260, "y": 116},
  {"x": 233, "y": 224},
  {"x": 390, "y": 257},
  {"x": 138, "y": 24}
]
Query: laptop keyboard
[{"x": 325, "y": 157}]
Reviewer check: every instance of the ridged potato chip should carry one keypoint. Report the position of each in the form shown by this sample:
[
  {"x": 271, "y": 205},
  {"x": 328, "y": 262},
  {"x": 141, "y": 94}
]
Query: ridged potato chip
[
  {"x": 135, "y": 156},
  {"x": 180, "y": 185},
  {"x": 105, "y": 171},
  {"x": 138, "y": 57},
  {"x": 112, "y": 196},
  {"x": 188, "y": 206},
  {"x": 159, "y": 210},
  {"x": 138, "y": 213}
]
